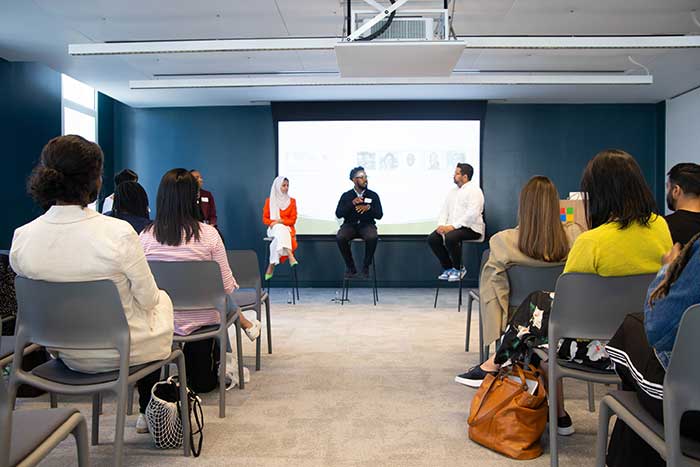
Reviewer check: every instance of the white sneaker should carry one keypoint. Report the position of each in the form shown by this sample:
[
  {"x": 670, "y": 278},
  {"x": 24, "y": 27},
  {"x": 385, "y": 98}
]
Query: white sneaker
[
  {"x": 141, "y": 424},
  {"x": 231, "y": 377},
  {"x": 254, "y": 331},
  {"x": 462, "y": 273},
  {"x": 454, "y": 276},
  {"x": 445, "y": 275}
]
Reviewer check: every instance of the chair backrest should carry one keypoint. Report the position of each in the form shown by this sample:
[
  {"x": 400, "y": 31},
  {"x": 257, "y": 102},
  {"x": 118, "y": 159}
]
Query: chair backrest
[
  {"x": 5, "y": 423},
  {"x": 682, "y": 381},
  {"x": 191, "y": 285},
  {"x": 589, "y": 306},
  {"x": 484, "y": 257},
  {"x": 245, "y": 267},
  {"x": 70, "y": 315},
  {"x": 524, "y": 280}
]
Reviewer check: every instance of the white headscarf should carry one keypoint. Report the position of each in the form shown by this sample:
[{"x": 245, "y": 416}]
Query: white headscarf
[{"x": 278, "y": 201}]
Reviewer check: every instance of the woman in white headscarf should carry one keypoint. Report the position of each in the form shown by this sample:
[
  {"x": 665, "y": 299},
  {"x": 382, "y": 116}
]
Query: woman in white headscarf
[{"x": 280, "y": 215}]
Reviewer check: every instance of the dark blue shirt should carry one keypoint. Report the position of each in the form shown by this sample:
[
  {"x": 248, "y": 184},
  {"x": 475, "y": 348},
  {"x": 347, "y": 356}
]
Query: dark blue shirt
[{"x": 138, "y": 223}]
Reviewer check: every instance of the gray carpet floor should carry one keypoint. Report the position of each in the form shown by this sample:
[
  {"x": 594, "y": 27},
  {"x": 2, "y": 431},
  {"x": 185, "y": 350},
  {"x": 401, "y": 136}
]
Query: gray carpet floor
[{"x": 356, "y": 385}]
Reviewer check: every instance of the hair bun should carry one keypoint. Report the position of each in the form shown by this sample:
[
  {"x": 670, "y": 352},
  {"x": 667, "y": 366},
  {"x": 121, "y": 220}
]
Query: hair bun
[{"x": 52, "y": 175}]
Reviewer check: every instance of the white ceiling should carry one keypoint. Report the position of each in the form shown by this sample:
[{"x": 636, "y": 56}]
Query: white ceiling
[{"x": 40, "y": 30}]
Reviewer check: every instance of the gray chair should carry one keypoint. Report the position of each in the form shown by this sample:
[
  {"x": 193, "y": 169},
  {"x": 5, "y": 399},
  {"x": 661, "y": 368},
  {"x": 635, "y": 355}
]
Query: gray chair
[
  {"x": 197, "y": 285},
  {"x": 588, "y": 306},
  {"x": 461, "y": 280},
  {"x": 251, "y": 295},
  {"x": 7, "y": 348},
  {"x": 295, "y": 276},
  {"x": 82, "y": 316},
  {"x": 681, "y": 394},
  {"x": 27, "y": 436},
  {"x": 473, "y": 296}
]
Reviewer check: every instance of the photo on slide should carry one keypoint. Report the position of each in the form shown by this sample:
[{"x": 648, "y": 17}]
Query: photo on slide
[{"x": 409, "y": 163}]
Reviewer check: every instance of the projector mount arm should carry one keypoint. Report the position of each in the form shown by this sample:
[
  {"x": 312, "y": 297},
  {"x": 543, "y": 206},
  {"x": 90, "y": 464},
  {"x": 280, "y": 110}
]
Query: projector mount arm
[{"x": 388, "y": 13}]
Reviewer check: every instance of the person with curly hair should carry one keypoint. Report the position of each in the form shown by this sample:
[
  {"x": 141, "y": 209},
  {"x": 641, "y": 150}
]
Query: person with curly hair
[{"x": 71, "y": 243}]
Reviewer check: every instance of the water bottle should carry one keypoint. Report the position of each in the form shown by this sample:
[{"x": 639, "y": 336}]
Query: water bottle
[
  {"x": 337, "y": 296},
  {"x": 289, "y": 297}
]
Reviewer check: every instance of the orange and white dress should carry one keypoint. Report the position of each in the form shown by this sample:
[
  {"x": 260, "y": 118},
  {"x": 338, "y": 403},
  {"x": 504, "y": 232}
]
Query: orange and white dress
[{"x": 283, "y": 234}]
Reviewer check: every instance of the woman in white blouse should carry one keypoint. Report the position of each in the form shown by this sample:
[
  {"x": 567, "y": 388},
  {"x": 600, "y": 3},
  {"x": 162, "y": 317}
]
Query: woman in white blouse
[{"x": 71, "y": 243}]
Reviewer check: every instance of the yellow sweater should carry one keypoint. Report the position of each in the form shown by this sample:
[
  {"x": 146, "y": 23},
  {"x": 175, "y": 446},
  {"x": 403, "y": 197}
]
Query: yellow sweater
[{"x": 609, "y": 251}]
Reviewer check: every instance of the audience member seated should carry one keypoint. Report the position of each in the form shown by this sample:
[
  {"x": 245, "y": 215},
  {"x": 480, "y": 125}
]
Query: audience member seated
[
  {"x": 126, "y": 175},
  {"x": 641, "y": 350},
  {"x": 71, "y": 243},
  {"x": 131, "y": 205},
  {"x": 627, "y": 237},
  {"x": 280, "y": 215},
  {"x": 539, "y": 240},
  {"x": 683, "y": 197},
  {"x": 461, "y": 219},
  {"x": 177, "y": 235}
]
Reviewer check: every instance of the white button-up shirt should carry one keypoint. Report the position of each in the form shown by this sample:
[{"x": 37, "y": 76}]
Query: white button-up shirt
[{"x": 464, "y": 207}]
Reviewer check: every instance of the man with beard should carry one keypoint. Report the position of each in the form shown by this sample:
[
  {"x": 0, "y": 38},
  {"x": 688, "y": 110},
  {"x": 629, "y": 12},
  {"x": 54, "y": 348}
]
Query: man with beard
[
  {"x": 683, "y": 197},
  {"x": 461, "y": 218},
  {"x": 359, "y": 208}
]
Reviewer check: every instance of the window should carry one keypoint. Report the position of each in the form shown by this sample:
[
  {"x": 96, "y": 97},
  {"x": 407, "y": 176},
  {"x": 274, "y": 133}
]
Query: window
[{"x": 79, "y": 108}]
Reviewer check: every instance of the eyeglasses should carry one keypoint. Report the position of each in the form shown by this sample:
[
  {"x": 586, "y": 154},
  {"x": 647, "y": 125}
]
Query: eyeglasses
[{"x": 361, "y": 176}]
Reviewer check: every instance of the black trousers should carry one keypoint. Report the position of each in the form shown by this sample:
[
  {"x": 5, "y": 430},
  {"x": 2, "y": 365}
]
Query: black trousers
[
  {"x": 626, "y": 448},
  {"x": 449, "y": 249},
  {"x": 144, "y": 386},
  {"x": 347, "y": 232}
]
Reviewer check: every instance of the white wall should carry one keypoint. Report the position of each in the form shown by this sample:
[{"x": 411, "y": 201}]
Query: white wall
[{"x": 683, "y": 129}]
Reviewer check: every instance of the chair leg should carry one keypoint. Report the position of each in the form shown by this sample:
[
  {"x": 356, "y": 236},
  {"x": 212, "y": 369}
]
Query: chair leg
[
  {"x": 130, "y": 402},
  {"x": 184, "y": 402},
  {"x": 296, "y": 283},
  {"x": 222, "y": 376},
  {"x": 53, "y": 400},
  {"x": 95, "y": 419},
  {"x": 375, "y": 294},
  {"x": 553, "y": 452},
  {"x": 258, "y": 341},
  {"x": 459, "y": 300},
  {"x": 591, "y": 397},
  {"x": 470, "y": 300},
  {"x": 81, "y": 443},
  {"x": 437, "y": 291},
  {"x": 119, "y": 429},
  {"x": 602, "y": 437},
  {"x": 269, "y": 325},
  {"x": 345, "y": 292},
  {"x": 239, "y": 353}
]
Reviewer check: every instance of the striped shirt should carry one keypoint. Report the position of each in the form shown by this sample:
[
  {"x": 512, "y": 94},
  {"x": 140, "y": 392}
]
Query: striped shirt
[{"x": 208, "y": 248}]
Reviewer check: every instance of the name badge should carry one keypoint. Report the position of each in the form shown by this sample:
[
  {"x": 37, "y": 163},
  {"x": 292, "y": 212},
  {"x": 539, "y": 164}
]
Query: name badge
[
  {"x": 368, "y": 200},
  {"x": 205, "y": 199}
]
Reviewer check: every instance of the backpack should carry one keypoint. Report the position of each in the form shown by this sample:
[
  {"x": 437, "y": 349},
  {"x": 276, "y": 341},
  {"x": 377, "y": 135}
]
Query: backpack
[{"x": 202, "y": 364}]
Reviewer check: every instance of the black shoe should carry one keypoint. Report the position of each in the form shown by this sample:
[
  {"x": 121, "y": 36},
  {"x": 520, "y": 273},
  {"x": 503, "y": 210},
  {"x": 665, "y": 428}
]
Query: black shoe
[
  {"x": 564, "y": 425},
  {"x": 473, "y": 377},
  {"x": 350, "y": 274},
  {"x": 364, "y": 274}
]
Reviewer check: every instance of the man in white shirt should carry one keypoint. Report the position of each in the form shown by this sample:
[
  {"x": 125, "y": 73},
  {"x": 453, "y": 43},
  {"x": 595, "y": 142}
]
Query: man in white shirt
[{"x": 461, "y": 218}]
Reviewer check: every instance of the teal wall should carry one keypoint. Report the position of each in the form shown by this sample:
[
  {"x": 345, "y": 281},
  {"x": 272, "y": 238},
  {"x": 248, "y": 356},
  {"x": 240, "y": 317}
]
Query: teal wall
[
  {"x": 235, "y": 150},
  {"x": 30, "y": 115}
]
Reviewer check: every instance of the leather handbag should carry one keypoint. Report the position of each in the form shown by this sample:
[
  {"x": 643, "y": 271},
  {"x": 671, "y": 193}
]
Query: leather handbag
[{"x": 509, "y": 412}]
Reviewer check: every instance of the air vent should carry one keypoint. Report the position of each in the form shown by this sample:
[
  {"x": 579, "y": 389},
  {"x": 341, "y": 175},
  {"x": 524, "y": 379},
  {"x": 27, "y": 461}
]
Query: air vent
[{"x": 411, "y": 29}]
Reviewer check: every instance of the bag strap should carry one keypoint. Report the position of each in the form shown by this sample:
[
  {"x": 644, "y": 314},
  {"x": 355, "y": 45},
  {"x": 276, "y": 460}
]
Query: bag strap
[{"x": 195, "y": 404}]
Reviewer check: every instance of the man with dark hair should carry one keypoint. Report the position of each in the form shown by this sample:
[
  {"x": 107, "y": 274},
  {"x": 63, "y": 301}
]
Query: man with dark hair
[
  {"x": 359, "y": 208},
  {"x": 683, "y": 197},
  {"x": 461, "y": 218},
  {"x": 205, "y": 200},
  {"x": 126, "y": 175}
]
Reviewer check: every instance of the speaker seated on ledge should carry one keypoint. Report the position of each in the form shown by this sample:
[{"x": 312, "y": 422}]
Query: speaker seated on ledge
[{"x": 398, "y": 59}]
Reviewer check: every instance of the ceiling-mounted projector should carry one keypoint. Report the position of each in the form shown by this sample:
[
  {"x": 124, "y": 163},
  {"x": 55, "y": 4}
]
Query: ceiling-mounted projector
[{"x": 388, "y": 42}]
